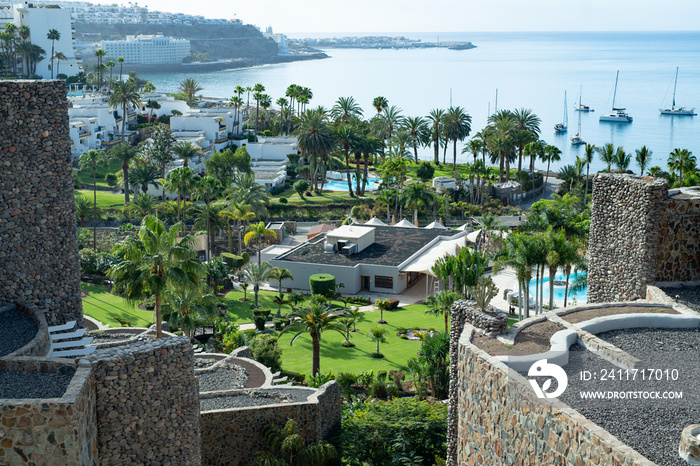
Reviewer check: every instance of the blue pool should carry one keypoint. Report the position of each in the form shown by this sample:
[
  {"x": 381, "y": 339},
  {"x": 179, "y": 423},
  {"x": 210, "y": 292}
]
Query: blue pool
[
  {"x": 581, "y": 296},
  {"x": 372, "y": 183}
]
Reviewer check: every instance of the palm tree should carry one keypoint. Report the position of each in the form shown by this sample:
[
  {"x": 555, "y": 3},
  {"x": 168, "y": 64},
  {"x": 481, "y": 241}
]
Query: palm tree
[
  {"x": 458, "y": 125},
  {"x": 385, "y": 122},
  {"x": 187, "y": 306},
  {"x": 288, "y": 447},
  {"x": 527, "y": 126},
  {"x": 622, "y": 159},
  {"x": 680, "y": 160},
  {"x": 207, "y": 190},
  {"x": 237, "y": 103},
  {"x": 91, "y": 160},
  {"x": 418, "y": 133},
  {"x": 258, "y": 90},
  {"x": 143, "y": 205},
  {"x": 151, "y": 105},
  {"x": 380, "y": 103},
  {"x": 314, "y": 320},
  {"x": 279, "y": 275},
  {"x": 535, "y": 151},
  {"x": 124, "y": 94},
  {"x": 181, "y": 180},
  {"x": 190, "y": 87},
  {"x": 257, "y": 232},
  {"x": 387, "y": 197},
  {"x": 314, "y": 140},
  {"x": 642, "y": 157},
  {"x": 607, "y": 154},
  {"x": 53, "y": 36},
  {"x": 500, "y": 138},
  {"x": 121, "y": 66},
  {"x": 186, "y": 151},
  {"x": 111, "y": 65},
  {"x": 82, "y": 209},
  {"x": 441, "y": 303},
  {"x": 588, "y": 151},
  {"x": 59, "y": 56},
  {"x": 99, "y": 53},
  {"x": 417, "y": 196},
  {"x": 257, "y": 274},
  {"x": 153, "y": 261},
  {"x": 378, "y": 335},
  {"x": 346, "y": 109},
  {"x": 552, "y": 153},
  {"x": 143, "y": 174},
  {"x": 436, "y": 119},
  {"x": 240, "y": 213},
  {"x": 346, "y": 137},
  {"x": 124, "y": 153}
]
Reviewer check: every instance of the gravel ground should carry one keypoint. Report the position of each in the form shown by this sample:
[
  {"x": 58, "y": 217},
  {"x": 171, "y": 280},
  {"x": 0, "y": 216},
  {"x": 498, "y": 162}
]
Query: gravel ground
[
  {"x": 689, "y": 295},
  {"x": 101, "y": 337},
  {"x": 254, "y": 398},
  {"x": 20, "y": 384},
  {"x": 16, "y": 330},
  {"x": 225, "y": 377},
  {"x": 652, "y": 427},
  {"x": 203, "y": 363}
]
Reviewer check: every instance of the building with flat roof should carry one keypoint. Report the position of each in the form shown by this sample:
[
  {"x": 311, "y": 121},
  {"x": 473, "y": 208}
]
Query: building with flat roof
[{"x": 148, "y": 50}]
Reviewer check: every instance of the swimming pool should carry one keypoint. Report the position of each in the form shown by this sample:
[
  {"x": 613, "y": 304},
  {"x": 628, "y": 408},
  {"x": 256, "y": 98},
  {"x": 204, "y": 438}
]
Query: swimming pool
[
  {"x": 372, "y": 183},
  {"x": 581, "y": 296}
]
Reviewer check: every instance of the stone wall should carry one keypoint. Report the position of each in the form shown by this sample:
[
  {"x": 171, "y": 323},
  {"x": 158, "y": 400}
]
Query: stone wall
[
  {"x": 49, "y": 431},
  {"x": 678, "y": 251},
  {"x": 40, "y": 344},
  {"x": 147, "y": 403},
  {"x": 624, "y": 233},
  {"x": 501, "y": 421},
  {"x": 38, "y": 237},
  {"x": 231, "y": 437}
]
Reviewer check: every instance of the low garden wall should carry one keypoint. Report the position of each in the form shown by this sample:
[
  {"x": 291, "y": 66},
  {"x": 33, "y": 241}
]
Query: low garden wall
[
  {"x": 53, "y": 430},
  {"x": 233, "y": 436},
  {"x": 40, "y": 344},
  {"x": 147, "y": 403}
]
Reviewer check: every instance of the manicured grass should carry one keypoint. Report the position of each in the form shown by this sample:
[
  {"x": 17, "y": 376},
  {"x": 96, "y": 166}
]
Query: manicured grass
[
  {"x": 104, "y": 198},
  {"x": 112, "y": 166},
  {"x": 240, "y": 311},
  {"x": 105, "y": 307},
  {"x": 336, "y": 358},
  {"x": 326, "y": 197}
]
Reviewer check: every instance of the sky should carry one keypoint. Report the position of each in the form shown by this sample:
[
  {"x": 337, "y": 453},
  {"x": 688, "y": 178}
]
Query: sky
[{"x": 306, "y": 16}]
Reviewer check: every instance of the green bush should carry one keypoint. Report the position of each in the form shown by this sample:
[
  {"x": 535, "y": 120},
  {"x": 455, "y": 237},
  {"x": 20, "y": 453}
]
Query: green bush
[
  {"x": 378, "y": 390},
  {"x": 266, "y": 351},
  {"x": 283, "y": 200},
  {"x": 323, "y": 284},
  {"x": 296, "y": 377},
  {"x": 260, "y": 322},
  {"x": 379, "y": 433},
  {"x": 233, "y": 261},
  {"x": 425, "y": 171}
]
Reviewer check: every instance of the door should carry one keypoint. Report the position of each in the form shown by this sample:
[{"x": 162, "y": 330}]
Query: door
[{"x": 364, "y": 283}]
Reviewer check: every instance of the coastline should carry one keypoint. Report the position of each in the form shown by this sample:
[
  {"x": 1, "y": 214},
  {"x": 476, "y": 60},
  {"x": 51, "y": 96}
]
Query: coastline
[{"x": 222, "y": 65}]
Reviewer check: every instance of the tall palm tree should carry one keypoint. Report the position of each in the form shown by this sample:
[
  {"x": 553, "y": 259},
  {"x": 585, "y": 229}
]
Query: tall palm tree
[
  {"x": 680, "y": 160},
  {"x": 458, "y": 125},
  {"x": 552, "y": 153},
  {"x": 240, "y": 213},
  {"x": 380, "y": 103},
  {"x": 435, "y": 118},
  {"x": 346, "y": 109},
  {"x": 207, "y": 190},
  {"x": 236, "y": 102},
  {"x": 441, "y": 303},
  {"x": 527, "y": 126},
  {"x": 111, "y": 65},
  {"x": 607, "y": 154},
  {"x": 121, "y": 66},
  {"x": 386, "y": 197},
  {"x": 187, "y": 151},
  {"x": 53, "y": 35},
  {"x": 124, "y": 94},
  {"x": 555, "y": 241},
  {"x": 500, "y": 137},
  {"x": 386, "y": 122},
  {"x": 314, "y": 320},
  {"x": 91, "y": 160},
  {"x": 257, "y": 232},
  {"x": 143, "y": 174},
  {"x": 314, "y": 140},
  {"x": 100, "y": 53},
  {"x": 125, "y": 154},
  {"x": 418, "y": 133},
  {"x": 59, "y": 56},
  {"x": 188, "y": 306},
  {"x": 622, "y": 159},
  {"x": 588, "y": 151},
  {"x": 83, "y": 208},
  {"x": 347, "y": 137},
  {"x": 153, "y": 260},
  {"x": 378, "y": 335},
  {"x": 642, "y": 157},
  {"x": 258, "y": 90},
  {"x": 143, "y": 204},
  {"x": 416, "y": 196},
  {"x": 180, "y": 180},
  {"x": 190, "y": 87},
  {"x": 279, "y": 275}
]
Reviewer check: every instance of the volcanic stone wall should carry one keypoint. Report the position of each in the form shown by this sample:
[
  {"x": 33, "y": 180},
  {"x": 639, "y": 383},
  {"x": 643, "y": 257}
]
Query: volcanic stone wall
[
  {"x": 38, "y": 236},
  {"x": 147, "y": 403},
  {"x": 678, "y": 251},
  {"x": 623, "y": 237}
]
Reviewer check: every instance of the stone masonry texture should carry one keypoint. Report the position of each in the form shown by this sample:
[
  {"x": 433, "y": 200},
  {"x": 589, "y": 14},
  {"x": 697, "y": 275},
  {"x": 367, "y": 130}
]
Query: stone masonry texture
[
  {"x": 623, "y": 237},
  {"x": 38, "y": 236},
  {"x": 678, "y": 251}
]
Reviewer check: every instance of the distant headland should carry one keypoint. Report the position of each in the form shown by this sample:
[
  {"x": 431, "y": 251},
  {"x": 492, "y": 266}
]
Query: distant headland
[{"x": 375, "y": 42}]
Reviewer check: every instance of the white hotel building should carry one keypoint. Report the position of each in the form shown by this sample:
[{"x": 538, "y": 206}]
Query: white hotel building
[{"x": 148, "y": 50}]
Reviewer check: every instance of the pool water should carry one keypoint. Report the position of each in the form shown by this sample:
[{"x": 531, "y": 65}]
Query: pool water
[
  {"x": 581, "y": 296},
  {"x": 372, "y": 183}
]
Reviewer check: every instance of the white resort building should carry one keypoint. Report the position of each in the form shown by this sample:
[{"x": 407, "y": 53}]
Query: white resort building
[{"x": 148, "y": 50}]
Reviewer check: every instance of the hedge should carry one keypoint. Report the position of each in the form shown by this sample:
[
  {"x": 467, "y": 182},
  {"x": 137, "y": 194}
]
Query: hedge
[{"x": 323, "y": 284}]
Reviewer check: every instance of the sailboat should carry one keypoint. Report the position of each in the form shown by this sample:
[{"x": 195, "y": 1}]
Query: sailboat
[
  {"x": 618, "y": 114},
  {"x": 580, "y": 107},
  {"x": 561, "y": 127},
  {"x": 680, "y": 111},
  {"x": 576, "y": 140}
]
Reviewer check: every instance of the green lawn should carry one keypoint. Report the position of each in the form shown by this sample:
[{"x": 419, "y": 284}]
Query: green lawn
[
  {"x": 113, "y": 166},
  {"x": 326, "y": 197},
  {"x": 240, "y": 311},
  {"x": 105, "y": 307},
  {"x": 336, "y": 358},
  {"x": 104, "y": 198}
]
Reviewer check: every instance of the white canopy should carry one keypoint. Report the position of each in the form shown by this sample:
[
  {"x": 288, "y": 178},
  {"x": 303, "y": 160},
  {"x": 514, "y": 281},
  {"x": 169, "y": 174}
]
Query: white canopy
[
  {"x": 375, "y": 221},
  {"x": 425, "y": 261},
  {"x": 475, "y": 234},
  {"x": 405, "y": 224},
  {"x": 437, "y": 225},
  {"x": 463, "y": 227}
]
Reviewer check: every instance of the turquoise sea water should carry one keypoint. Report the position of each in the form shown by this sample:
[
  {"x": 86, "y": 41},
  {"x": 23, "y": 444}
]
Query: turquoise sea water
[{"x": 529, "y": 70}]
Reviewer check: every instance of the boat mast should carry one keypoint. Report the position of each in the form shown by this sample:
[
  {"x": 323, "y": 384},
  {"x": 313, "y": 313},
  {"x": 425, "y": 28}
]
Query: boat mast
[
  {"x": 675, "y": 82},
  {"x": 566, "y": 114},
  {"x": 615, "y": 92}
]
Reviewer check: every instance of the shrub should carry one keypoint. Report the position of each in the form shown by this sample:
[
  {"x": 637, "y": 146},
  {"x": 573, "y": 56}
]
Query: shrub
[
  {"x": 266, "y": 351},
  {"x": 150, "y": 303},
  {"x": 283, "y": 200},
  {"x": 393, "y": 303},
  {"x": 296, "y": 377},
  {"x": 111, "y": 179},
  {"x": 425, "y": 171},
  {"x": 378, "y": 390},
  {"x": 260, "y": 322},
  {"x": 323, "y": 284},
  {"x": 233, "y": 261},
  {"x": 320, "y": 379},
  {"x": 365, "y": 378},
  {"x": 127, "y": 227}
]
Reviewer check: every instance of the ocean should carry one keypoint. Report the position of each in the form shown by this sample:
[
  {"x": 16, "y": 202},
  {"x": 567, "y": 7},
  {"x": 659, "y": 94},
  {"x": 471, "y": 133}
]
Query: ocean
[{"x": 530, "y": 70}]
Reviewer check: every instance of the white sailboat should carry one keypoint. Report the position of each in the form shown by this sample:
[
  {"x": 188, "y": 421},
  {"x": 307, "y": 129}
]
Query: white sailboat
[
  {"x": 680, "y": 111},
  {"x": 580, "y": 107},
  {"x": 576, "y": 140},
  {"x": 618, "y": 114},
  {"x": 561, "y": 127}
]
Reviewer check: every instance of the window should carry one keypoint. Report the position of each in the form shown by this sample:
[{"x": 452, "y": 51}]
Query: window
[{"x": 383, "y": 282}]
